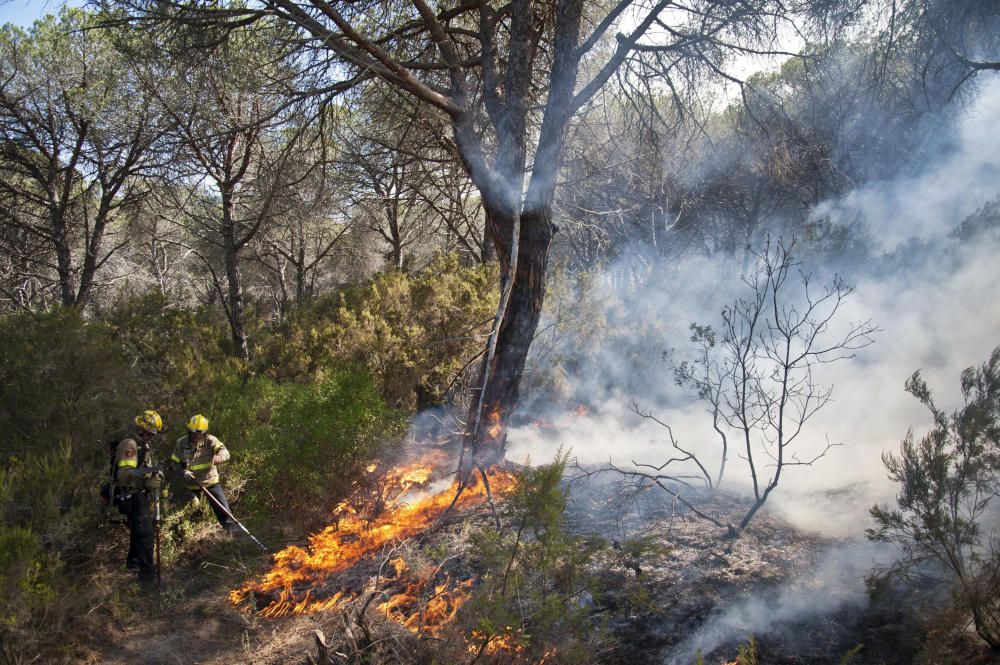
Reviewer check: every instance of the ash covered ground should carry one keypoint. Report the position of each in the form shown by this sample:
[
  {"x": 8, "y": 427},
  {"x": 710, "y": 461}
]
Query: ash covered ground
[{"x": 801, "y": 595}]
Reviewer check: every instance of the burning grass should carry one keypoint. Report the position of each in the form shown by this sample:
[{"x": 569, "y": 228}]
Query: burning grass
[
  {"x": 509, "y": 646},
  {"x": 351, "y": 556}
]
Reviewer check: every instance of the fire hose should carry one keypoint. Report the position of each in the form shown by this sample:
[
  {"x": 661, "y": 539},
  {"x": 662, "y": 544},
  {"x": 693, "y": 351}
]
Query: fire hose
[{"x": 230, "y": 515}]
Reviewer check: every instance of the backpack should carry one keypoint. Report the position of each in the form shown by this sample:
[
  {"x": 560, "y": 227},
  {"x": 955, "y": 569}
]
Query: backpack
[{"x": 111, "y": 492}]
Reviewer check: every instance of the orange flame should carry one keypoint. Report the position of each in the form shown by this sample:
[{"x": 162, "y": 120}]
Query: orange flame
[
  {"x": 303, "y": 580},
  {"x": 494, "y": 429},
  {"x": 509, "y": 642},
  {"x": 427, "y": 614}
]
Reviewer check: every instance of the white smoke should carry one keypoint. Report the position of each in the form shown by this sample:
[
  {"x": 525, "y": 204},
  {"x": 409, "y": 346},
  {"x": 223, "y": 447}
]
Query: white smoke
[
  {"x": 837, "y": 583},
  {"x": 937, "y": 311},
  {"x": 930, "y": 202}
]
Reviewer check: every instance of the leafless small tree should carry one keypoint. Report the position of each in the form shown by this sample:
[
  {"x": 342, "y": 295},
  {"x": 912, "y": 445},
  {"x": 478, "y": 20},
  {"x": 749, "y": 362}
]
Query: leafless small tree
[{"x": 758, "y": 373}]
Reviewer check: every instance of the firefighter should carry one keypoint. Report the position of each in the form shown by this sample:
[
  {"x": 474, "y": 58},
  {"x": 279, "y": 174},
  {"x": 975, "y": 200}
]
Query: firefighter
[
  {"x": 140, "y": 480},
  {"x": 195, "y": 458}
]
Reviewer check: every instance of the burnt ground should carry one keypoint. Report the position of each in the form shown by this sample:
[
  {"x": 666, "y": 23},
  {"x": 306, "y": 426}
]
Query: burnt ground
[
  {"x": 801, "y": 595},
  {"x": 672, "y": 586}
]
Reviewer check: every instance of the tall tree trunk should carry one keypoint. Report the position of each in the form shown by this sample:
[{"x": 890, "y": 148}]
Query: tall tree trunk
[
  {"x": 93, "y": 246},
  {"x": 285, "y": 302},
  {"x": 489, "y": 254},
  {"x": 300, "y": 264},
  {"x": 395, "y": 236},
  {"x": 396, "y": 255},
  {"x": 64, "y": 259},
  {"x": 231, "y": 252},
  {"x": 517, "y": 331}
]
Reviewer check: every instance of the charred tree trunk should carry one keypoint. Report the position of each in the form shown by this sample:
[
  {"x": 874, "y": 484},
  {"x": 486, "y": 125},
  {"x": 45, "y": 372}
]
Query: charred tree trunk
[
  {"x": 517, "y": 330},
  {"x": 511, "y": 210}
]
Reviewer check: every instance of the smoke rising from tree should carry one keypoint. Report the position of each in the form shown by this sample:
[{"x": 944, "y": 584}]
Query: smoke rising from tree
[{"x": 928, "y": 288}]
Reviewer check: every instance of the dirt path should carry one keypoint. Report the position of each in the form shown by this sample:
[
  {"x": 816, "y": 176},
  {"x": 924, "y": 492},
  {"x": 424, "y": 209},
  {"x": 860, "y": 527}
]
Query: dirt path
[{"x": 191, "y": 621}]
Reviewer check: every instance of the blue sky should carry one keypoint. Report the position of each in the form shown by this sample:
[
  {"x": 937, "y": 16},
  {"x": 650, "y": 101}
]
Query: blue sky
[{"x": 24, "y": 12}]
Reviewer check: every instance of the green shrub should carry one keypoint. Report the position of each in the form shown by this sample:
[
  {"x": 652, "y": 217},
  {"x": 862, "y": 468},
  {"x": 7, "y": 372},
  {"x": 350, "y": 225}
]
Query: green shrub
[
  {"x": 60, "y": 379},
  {"x": 296, "y": 448},
  {"x": 535, "y": 593},
  {"x": 172, "y": 352},
  {"x": 26, "y": 575},
  {"x": 746, "y": 654},
  {"x": 948, "y": 481},
  {"x": 45, "y": 525},
  {"x": 322, "y": 436},
  {"x": 63, "y": 386},
  {"x": 414, "y": 333}
]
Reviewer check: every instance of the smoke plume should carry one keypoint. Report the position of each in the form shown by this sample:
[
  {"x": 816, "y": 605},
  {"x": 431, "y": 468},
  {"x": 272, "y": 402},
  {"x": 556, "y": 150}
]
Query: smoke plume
[
  {"x": 928, "y": 288},
  {"x": 837, "y": 583}
]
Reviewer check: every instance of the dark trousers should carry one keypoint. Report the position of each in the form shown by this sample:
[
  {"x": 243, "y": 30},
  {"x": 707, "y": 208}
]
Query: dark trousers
[
  {"x": 219, "y": 495},
  {"x": 140, "y": 536}
]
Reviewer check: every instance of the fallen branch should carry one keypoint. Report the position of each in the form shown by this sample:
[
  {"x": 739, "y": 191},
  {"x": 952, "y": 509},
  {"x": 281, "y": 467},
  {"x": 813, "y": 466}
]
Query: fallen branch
[{"x": 657, "y": 480}]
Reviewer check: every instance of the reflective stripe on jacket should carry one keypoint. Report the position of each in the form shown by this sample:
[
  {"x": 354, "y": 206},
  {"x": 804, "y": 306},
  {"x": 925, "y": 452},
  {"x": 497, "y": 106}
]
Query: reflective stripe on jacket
[
  {"x": 127, "y": 461},
  {"x": 198, "y": 459}
]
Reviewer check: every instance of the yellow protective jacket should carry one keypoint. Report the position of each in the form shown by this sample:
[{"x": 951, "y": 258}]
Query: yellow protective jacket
[
  {"x": 127, "y": 464},
  {"x": 198, "y": 459}
]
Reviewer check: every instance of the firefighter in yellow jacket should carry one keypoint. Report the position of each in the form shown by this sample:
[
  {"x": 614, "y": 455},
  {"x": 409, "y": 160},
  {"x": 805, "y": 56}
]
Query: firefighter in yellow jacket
[
  {"x": 140, "y": 480},
  {"x": 195, "y": 457}
]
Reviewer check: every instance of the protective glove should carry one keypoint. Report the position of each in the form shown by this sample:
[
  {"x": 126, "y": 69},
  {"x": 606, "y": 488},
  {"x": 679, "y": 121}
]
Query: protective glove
[
  {"x": 189, "y": 477},
  {"x": 218, "y": 459},
  {"x": 153, "y": 481}
]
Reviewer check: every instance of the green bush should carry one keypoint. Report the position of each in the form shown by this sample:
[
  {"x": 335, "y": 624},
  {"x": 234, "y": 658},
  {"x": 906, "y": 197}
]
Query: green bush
[
  {"x": 46, "y": 527},
  {"x": 296, "y": 448},
  {"x": 61, "y": 379},
  {"x": 948, "y": 480},
  {"x": 63, "y": 386},
  {"x": 414, "y": 333},
  {"x": 322, "y": 436},
  {"x": 535, "y": 592},
  {"x": 172, "y": 352},
  {"x": 26, "y": 575}
]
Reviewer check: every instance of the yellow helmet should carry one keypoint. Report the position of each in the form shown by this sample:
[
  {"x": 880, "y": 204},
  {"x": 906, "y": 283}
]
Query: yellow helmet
[
  {"x": 149, "y": 421},
  {"x": 198, "y": 423}
]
